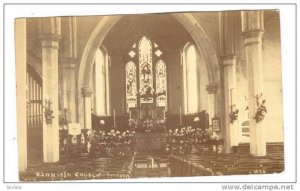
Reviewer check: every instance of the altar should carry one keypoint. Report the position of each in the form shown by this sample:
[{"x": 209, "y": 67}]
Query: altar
[{"x": 150, "y": 126}]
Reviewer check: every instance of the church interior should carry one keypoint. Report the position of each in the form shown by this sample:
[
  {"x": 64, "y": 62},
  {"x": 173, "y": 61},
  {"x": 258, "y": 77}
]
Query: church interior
[{"x": 149, "y": 95}]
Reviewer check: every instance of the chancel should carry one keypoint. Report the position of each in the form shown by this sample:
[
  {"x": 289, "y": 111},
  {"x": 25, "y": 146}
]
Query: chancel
[{"x": 150, "y": 95}]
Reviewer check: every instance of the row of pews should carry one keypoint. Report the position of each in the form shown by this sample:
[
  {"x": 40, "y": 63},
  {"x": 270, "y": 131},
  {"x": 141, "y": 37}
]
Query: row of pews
[
  {"x": 226, "y": 164},
  {"x": 80, "y": 169},
  {"x": 154, "y": 165}
]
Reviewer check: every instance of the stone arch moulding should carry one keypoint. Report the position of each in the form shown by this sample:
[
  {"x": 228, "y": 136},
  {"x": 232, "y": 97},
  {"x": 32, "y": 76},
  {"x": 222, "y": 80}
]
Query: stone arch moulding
[{"x": 96, "y": 38}]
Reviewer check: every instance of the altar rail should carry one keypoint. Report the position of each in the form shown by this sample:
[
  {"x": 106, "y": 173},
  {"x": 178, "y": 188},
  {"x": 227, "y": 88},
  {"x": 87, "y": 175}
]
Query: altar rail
[{"x": 228, "y": 164}]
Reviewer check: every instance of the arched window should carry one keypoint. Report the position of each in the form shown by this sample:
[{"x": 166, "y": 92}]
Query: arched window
[
  {"x": 161, "y": 84},
  {"x": 131, "y": 85},
  {"x": 101, "y": 100},
  {"x": 190, "y": 78},
  {"x": 146, "y": 83},
  {"x": 145, "y": 71}
]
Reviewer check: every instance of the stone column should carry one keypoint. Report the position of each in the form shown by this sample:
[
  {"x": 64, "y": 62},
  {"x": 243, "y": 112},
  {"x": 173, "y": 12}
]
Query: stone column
[
  {"x": 69, "y": 60},
  {"x": 231, "y": 133},
  {"x": 21, "y": 58},
  {"x": 69, "y": 89},
  {"x": 86, "y": 93},
  {"x": 50, "y": 36},
  {"x": 228, "y": 51},
  {"x": 212, "y": 90},
  {"x": 252, "y": 31}
]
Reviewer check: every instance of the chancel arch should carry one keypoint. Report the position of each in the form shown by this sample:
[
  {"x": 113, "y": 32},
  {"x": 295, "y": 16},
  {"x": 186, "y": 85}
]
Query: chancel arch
[{"x": 194, "y": 28}]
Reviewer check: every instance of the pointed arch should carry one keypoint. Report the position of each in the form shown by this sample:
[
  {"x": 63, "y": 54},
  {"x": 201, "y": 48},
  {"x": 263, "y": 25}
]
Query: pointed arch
[{"x": 192, "y": 25}]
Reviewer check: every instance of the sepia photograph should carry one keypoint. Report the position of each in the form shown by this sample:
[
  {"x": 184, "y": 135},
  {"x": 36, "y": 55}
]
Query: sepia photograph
[{"x": 152, "y": 95}]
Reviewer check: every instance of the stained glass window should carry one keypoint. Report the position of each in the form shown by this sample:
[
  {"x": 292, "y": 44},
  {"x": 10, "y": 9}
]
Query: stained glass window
[
  {"x": 146, "y": 83},
  {"x": 161, "y": 84},
  {"x": 131, "y": 85},
  {"x": 145, "y": 71}
]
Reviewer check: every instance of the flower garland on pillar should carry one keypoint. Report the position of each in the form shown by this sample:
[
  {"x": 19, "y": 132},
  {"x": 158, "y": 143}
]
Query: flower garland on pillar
[
  {"x": 233, "y": 114},
  {"x": 261, "y": 108}
]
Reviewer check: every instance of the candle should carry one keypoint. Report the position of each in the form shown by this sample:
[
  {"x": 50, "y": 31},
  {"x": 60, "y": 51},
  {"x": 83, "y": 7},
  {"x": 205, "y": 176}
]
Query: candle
[
  {"x": 180, "y": 115},
  {"x": 129, "y": 114},
  {"x": 114, "y": 117}
]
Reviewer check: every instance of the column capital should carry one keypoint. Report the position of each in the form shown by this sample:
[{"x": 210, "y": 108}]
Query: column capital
[
  {"x": 68, "y": 65},
  {"x": 86, "y": 92},
  {"x": 68, "y": 62},
  {"x": 50, "y": 40},
  {"x": 253, "y": 36},
  {"x": 229, "y": 60},
  {"x": 228, "y": 57},
  {"x": 212, "y": 88},
  {"x": 50, "y": 37}
]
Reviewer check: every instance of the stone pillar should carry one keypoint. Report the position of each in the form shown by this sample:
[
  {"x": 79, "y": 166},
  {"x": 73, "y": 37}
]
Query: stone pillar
[
  {"x": 69, "y": 58},
  {"x": 228, "y": 51},
  {"x": 231, "y": 133},
  {"x": 21, "y": 59},
  {"x": 86, "y": 93},
  {"x": 69, "y": 89},
  {"x": 252, "y": 31},
  {"x": 212, "y": 90},
  {"x": 50, "y": 36}
]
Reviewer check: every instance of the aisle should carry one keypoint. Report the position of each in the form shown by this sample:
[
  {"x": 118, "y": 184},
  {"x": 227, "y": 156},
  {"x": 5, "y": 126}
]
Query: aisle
[{"x": 151, "y": 166}]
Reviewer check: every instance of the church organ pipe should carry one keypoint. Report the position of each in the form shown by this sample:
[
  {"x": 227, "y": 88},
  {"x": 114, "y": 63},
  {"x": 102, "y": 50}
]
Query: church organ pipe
[
  {"x": 34, "y": 101},
  {"x": 37, "y": 105},
  {"x": 30, "y": 99},
  {"x": 32, "y": 104},
  {"x": 41, "y": 106}
]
